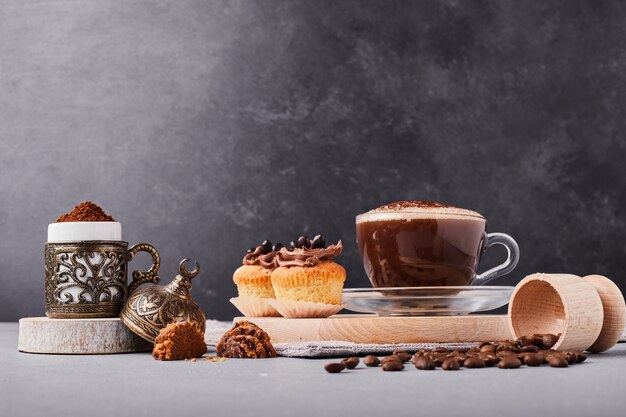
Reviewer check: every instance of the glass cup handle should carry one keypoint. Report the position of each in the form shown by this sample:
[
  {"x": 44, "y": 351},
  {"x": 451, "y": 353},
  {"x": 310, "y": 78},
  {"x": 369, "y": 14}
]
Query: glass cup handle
[
  {"x": 151, "y": 275},
  {"x": 508, "y": 265}
]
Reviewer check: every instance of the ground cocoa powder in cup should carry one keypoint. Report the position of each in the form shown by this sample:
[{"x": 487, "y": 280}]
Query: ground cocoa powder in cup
[{"x": 86, "y": 212}]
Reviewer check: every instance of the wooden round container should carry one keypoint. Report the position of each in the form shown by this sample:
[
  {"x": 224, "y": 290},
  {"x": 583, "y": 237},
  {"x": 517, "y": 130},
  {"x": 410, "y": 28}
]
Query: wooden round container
[{"x": 557, "y": 303}]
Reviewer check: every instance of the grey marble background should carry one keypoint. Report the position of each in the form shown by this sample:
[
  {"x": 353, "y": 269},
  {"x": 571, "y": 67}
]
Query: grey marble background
[{"x": 208, "y": 126}]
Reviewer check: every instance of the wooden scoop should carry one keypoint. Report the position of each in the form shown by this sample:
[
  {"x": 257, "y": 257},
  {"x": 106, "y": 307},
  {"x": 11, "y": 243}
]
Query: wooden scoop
[{"x": 589, "y": 312}]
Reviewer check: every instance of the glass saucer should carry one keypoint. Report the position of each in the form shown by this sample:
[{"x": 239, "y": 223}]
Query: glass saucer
[{"x": 426, "y": 301}]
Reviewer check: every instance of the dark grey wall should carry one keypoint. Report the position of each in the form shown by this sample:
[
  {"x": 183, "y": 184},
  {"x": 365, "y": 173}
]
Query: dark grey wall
[{"x": 208, "y": 126}]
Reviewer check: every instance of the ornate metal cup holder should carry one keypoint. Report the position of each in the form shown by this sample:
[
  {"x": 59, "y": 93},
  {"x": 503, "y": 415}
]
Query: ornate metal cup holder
[{"x": 87, "y": 279}]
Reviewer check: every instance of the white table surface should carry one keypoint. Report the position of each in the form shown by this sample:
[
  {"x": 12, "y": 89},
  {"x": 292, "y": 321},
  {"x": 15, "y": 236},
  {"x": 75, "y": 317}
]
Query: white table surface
[{"x": 137, "y": 385}]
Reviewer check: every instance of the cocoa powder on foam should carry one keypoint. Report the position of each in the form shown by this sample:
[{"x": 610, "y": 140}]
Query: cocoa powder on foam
[{"x": 407, "y": 204}]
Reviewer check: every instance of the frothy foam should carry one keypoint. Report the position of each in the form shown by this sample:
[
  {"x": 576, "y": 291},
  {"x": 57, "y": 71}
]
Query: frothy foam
[{"x": 418, "y": 209}]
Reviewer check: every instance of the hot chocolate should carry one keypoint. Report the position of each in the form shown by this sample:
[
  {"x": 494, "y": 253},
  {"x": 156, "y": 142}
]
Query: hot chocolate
[{"x": 421, "y": 243}]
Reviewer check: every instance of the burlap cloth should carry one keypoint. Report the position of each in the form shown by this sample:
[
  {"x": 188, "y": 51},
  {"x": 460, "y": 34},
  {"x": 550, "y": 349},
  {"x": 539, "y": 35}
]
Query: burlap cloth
[{"x": 325, "y": 349}]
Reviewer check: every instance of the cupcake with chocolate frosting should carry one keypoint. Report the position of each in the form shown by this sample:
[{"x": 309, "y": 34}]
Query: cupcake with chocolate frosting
[
  {"x": 253, "y": 280},
  {"x": 307, "y": 280}
]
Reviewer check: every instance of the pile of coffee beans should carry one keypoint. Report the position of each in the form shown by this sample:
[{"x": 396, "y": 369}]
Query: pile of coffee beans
[{"x": 535, "y": 350}]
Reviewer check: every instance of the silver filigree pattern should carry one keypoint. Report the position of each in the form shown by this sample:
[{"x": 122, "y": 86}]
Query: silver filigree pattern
[
  {"x": 88, "y": 278},
  {"x": 152, "y": 307}
]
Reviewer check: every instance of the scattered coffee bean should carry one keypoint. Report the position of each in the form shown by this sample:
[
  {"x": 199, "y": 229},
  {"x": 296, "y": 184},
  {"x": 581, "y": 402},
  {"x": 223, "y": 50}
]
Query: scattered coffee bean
[
  {"x": 504, "y": 353},
  {"x": 474, "y": 362},
  {"x": 318, "y": 242},
  {"x": 351, "y": 363},
  {"x": 371, "y": 361},
  {"x": 459, "y": 360},
  {"x": 549, "y": 340},
  {"x": 509, "y": 362},
  {"x": 533, "y": 359},
  {"x": 490, "y": 360},
  {"x": 488, "y": 348},
  {"x": 582, "y": 356},
  {"x": 393, "y": 365},
  {"x": 424, "y": 363},
  {"x": 390, "y": 358},
  {"x": 548, "y": 353},
  {"x": 266, "y": 246},
  {"x": 403, "y": 356},
  {"x": 457, "y": 355},
  {"x": 529, "y": 348},
  {"x": 558, "y": 361},
  {"x": 439, "y": 361},
  {"x": 571, "y": 357},
  {"x": 450, "y": 365},
  {"x": 334, "y": 368},
  {"x": 528, "y": 341},
  {"x": 507, "y": 347}
]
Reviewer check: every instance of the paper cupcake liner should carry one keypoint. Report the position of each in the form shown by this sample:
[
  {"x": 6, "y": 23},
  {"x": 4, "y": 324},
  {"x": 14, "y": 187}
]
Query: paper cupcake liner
[
  {"x": 255, "y": 307},
  {"x": 305, "y": 309}
]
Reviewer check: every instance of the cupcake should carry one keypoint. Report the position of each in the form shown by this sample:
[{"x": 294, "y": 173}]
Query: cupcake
[
  {"x": 253, "y": 280},
  {"x": 307, "y": 282}
]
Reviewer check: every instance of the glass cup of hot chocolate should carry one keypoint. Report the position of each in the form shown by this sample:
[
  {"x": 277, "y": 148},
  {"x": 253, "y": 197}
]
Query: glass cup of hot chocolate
[{"x": 425, "y": 244}]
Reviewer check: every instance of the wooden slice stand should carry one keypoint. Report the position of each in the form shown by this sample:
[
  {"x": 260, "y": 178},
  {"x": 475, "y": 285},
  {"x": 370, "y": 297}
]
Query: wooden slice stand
[
  {"x": 365, "y": 328},
  {"x": 78, "y": 336}
]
